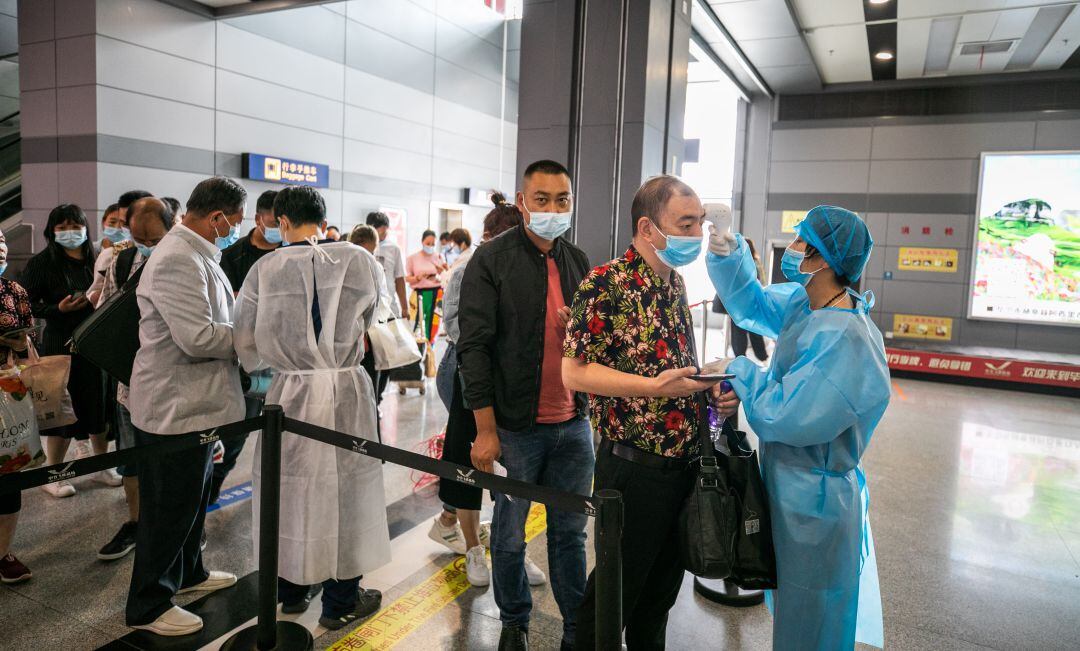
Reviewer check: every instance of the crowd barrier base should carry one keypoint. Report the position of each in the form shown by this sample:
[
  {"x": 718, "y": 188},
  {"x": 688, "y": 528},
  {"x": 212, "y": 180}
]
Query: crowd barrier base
[{"x": 269, "y": 634}]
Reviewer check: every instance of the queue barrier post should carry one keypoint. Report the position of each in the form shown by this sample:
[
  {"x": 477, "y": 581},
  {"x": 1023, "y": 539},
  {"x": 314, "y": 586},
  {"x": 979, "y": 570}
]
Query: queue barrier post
[
  {"x": 270, "y": 634},
  {"x": 609, "y": 524}
]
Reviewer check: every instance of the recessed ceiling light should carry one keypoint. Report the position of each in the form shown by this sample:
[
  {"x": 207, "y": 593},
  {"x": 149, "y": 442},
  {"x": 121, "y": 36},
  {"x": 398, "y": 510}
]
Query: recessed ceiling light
[
  {"x": 884, "y": 56},
  {"x": 878, "y": 2}
]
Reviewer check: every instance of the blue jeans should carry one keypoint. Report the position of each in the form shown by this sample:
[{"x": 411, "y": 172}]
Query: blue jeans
[
  {"x": 444, "y": 377},
  {"x": 558, "y": 456}
]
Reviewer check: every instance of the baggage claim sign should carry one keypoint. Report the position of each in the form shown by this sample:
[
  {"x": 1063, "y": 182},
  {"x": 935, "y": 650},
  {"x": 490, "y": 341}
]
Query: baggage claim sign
[{"x": 272, "y": 169}]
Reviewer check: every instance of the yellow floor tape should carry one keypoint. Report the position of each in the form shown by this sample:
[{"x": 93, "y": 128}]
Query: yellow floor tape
[{"x": 394, "y": 623}]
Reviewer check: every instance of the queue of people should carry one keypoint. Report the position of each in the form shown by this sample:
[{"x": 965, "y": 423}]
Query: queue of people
[{"x": 544, "y": 352}]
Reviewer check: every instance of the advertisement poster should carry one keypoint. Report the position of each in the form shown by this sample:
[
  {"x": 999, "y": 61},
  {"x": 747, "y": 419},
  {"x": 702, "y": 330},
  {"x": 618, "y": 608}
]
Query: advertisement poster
[
  {"x": 984, "y": 368},
  {"x": 397, "y": 232},
  {"x": 789, "y": 218},
  {"x": 922, "y": 259},
  {"x": 1027, "y": 261},
  {"x": 913, "y": 326}
]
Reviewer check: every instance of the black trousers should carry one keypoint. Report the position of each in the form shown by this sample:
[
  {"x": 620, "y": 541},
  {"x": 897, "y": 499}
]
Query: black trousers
[
  {"x": 652, "y": 570},
  {"x": 234, "y": 445},
  {"x": 738, "y": 342},
  {"x": 379, "y": 380},
  {"x": 174, "y": 490},
  {"x": 457, "y": 448}
]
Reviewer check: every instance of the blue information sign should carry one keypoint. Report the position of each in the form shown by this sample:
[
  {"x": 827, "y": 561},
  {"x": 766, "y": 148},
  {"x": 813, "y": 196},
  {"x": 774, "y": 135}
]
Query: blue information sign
[{"x": 272, "y": 169}]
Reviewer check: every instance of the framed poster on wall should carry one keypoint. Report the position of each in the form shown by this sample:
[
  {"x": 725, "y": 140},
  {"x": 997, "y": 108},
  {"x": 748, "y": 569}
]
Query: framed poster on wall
[
  {"x": 1026, "y": 262},
  {"x": 399, "y": 222}
]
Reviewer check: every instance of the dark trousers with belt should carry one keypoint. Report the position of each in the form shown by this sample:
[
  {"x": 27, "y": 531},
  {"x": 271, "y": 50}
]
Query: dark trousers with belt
[
  {"x": 234, "y": 445},
  {"x": 173, "y": 494},
  {"x": 652, "y": 570}
]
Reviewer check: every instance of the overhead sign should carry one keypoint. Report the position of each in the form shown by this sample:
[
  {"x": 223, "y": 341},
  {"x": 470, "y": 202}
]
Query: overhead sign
[
  {"x": 273, "y": 169},
  {"x": 789, "y": 218},
  {"x": 913, "y": 326},
  {"x": 923, "y": 259}
]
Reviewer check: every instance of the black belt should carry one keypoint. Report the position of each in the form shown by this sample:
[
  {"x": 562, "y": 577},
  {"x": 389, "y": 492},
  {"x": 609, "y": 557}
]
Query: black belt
[{"x": 636, "y": 455}]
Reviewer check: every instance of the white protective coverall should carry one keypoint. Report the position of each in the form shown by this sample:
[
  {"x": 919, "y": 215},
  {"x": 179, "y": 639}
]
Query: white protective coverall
[{"x": 333, "y": 508}]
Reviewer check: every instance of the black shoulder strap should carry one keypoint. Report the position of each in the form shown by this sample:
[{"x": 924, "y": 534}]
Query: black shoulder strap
[{"x": 125, "y": 260}]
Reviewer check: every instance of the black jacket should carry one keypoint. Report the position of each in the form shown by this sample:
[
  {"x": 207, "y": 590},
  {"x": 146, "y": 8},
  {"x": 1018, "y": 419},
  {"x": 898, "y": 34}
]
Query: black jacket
[
  {"x": 49, "y": 277},
  {"x": 501, "y": 317},
  {"x": 238, "y": 259}
]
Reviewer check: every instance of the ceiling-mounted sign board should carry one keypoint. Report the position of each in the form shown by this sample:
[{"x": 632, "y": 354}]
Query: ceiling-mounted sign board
[{"x": 287, "y": 171}]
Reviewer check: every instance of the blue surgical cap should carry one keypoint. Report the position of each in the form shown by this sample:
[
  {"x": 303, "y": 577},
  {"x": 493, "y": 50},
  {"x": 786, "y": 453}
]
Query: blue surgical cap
[{"x": 840, "y": 236}]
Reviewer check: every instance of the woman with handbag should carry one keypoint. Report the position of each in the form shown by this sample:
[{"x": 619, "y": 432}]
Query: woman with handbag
[
  {"x": 15, "y": 315},
  {"x": 57, "y": 280},
  {"x": 814, "y": 411}
]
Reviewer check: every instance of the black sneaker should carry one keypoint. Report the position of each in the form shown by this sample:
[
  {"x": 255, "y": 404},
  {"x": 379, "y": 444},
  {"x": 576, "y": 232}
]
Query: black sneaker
[
  {"x": 121, "y": 544},
  {"x": 367, "y": 604},
  {"x": 514, "y": 638},
  {"x": 302, "y": 605}
]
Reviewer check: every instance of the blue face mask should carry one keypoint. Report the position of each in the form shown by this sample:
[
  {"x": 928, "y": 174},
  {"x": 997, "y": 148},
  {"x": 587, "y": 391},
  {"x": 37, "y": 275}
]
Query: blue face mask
[
  {"x": 430, "y": 250},
  {"x": 116, "y": 235},
  {"x": 549, "y": 225},
  {"x": 681, "y": 250},
  {"x": 273, "y": 235},
  {"x": 3, "y": 268},
  {"x": 71, "y": 239},
  {"x": 224, "y": 242},
  {"x": 144, "y": 250},
  {"x": 791, "y": 266}
]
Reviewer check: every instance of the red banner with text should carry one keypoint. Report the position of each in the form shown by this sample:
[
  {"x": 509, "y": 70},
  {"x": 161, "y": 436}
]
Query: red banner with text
[{"x": 987, "y": 368}]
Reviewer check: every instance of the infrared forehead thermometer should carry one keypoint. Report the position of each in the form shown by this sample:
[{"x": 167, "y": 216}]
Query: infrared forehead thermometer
[{"x": 719, "y": 214}]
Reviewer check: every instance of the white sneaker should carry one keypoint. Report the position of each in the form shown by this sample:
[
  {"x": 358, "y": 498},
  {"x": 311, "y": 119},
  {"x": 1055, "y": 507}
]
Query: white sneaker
[
  {"x": 216, "y": 581},
  {"x": 109, "y": 477},
  {"x": 476, "y": 567},
  {"x": 484, "y": 534},
  {"x": 81, "y": 450},
  {"x": 59, "y": 489},
  {"x": 449, "y": 537},
  {"x": 535, "y": 574},
  {"x": 174, "y": 621}
]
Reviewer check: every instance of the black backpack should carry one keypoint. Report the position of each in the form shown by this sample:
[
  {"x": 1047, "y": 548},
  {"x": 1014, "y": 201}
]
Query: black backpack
[{"x": 109, "y": 338}]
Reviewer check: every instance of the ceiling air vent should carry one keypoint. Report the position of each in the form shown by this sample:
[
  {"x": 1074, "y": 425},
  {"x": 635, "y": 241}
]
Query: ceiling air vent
[{"x": 987, "y": 47}]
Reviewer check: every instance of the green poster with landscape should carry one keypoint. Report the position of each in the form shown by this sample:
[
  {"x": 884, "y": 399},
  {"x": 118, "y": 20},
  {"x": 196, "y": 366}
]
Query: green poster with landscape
[{"x": 1027, "y": 250}]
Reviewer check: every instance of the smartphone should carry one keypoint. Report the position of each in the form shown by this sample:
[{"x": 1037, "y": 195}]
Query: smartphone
[
  {"x": 712, "y": 377},
  {"x": 78, "y": 295}
]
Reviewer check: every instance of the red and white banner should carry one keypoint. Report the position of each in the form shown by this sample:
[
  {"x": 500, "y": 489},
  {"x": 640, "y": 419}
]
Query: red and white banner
[{"x": 987, "y": 368}]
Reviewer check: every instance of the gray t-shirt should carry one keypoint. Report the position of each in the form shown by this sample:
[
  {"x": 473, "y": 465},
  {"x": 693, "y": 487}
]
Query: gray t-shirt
[{"x": 393, "y": 263}]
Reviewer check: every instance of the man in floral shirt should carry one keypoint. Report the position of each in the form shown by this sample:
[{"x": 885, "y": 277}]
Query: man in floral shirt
[{"x": 630, "y": 345}]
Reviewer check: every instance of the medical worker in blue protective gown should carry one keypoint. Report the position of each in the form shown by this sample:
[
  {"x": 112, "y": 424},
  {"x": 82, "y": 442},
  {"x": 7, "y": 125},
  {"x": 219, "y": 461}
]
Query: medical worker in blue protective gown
[{"x": 814, "y": 410}]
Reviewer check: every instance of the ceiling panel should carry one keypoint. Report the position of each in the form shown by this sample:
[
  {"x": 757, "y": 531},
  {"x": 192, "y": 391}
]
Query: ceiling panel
[
  {"x": 912, "y": 38},
  {"x": 820, "y": 13},
  {"x": 841, "y": 53},
  {"x": 768, "y": 52},
  {"x": 1063, "y": 43},
  {"x": 756, "y": 19}
]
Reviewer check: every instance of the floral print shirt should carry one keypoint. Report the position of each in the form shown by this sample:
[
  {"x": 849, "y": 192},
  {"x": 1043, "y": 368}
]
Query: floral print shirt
[{"x": 627, "y": 318}]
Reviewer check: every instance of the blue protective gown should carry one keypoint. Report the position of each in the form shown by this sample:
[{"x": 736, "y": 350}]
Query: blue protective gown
[{"x": 814, "y": 411}]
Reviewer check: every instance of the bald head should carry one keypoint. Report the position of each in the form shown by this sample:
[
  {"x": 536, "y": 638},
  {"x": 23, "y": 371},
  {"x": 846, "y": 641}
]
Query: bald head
[{"x": 149, "y": 219}]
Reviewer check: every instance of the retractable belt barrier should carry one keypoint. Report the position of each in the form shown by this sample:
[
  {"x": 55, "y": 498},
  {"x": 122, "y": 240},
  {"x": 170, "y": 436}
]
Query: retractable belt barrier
[{"x": 271, "y": 634}]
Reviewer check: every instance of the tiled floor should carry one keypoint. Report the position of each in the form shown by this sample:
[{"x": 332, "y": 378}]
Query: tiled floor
[{"x": 975, "y": 509}]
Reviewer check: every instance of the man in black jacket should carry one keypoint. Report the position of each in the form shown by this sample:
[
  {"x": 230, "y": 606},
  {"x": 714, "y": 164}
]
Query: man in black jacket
[{"x": 512, "y": 317}]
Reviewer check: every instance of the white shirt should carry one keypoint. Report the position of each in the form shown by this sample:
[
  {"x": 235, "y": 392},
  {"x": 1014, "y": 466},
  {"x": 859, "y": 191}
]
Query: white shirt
[
  {"x": 393, "y": 263},
  {"x": 185, "y": 377}
]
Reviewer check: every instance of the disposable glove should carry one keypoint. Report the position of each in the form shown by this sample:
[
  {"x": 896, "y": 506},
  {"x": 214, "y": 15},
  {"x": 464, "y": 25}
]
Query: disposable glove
[{"x": 721, "y": 244}]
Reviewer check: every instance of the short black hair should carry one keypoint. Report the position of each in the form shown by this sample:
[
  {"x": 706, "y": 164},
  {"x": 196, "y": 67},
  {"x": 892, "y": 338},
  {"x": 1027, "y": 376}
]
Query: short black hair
[
  {"x": 427, "y": 234},
  {"x": 444, "y": 236},
  {"x": 377, "y": 220},
  {"x": 217, "y": 193},
  {"x": 174, "y": 205},
  {"x": 653, "y": 195},
  {"x": 130, "y": 197},
  {"x": 333, "y": 228},
  {"x": 302, "y": 204},
  {"x": 545, "y": 167},
  {"x": 812, "y": 252},
  {"x": 151, "y": 206},
  {"x": 266, "y": 201},
  {"x": 113, "y": 207}
]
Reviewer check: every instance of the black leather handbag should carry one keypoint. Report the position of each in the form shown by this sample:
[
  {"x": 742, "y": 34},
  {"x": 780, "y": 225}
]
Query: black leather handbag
[
  {"x": 707, "y": 523},
  {"x": 754, "y": 567},
  {"x": 109, "y": 338}
]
